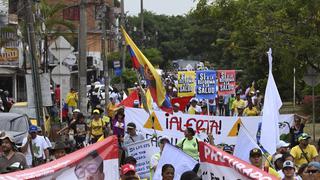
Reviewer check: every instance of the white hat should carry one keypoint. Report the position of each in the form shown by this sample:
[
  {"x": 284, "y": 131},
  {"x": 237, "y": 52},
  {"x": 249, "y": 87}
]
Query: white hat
[
  {"x": 76, "y": 111},
  {"x": 176, "y": 104},
  {"x": 276, "y": 157},
  {"x": 282, "y": 144},
  {"x": 194, "y": 99},
  {"x": 288, "y": 163}
]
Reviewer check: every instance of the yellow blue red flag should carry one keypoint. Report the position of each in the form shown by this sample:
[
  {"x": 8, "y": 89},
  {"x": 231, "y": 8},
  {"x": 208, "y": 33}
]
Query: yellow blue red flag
[{"x": 148, "y": 72}]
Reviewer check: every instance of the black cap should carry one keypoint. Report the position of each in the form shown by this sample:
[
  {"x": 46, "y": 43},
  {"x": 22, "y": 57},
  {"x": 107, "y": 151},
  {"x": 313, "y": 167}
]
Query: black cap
[
  {"x": 255, "y": 151},
  {"x": 131, "y": 125}
]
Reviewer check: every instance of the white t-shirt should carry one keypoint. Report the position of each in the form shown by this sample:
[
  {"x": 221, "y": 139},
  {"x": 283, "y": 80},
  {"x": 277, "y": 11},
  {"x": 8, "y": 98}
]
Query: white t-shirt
[
  {"x": 39, "y": 144},
  {"x": 131, "y": 139}
]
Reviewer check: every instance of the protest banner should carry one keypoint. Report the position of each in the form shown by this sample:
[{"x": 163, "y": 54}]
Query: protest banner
[
  {"x": 186, "y": 83},
  {"x": 217, "y": 164},
  {"x": 223, "y": 128},
  {"x": 206, "y": 84},
  {"x": 181, "y": 162},
  {"x": 183, "y": 101},
  {"x": 226, "y": 82},
  {"x": 142, "y": 151},
  {"x": 103, "y": 155}
]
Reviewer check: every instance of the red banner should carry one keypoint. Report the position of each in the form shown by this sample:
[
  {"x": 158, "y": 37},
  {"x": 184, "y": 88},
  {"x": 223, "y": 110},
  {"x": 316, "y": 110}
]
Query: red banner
[
  {"x": 226, "y": 82},
  {"x": 217, "y": 164},
  {"x": 183, "y": 101},
  {"x": 101, "y": 157}
]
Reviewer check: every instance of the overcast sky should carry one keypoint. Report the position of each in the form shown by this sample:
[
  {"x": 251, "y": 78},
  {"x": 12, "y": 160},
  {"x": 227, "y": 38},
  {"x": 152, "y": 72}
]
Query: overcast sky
[{"x": 167, "y": 7}]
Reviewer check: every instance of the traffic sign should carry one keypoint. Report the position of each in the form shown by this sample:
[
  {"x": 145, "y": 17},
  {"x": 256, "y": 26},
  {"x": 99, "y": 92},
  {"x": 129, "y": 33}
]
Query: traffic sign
[
  {"x": 312, "y": 77},
  {"x": 60, "y": 48}
]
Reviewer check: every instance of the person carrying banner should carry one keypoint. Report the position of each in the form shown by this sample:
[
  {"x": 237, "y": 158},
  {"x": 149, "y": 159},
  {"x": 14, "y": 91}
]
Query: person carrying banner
[
  {"x": 189, "y": 144},
  {"x": 156, "y": 157},
  {"x": 297, "y": 129},
  {"x": 96, "y": 127},
  {"x": 10, "y": 159},
  {"x": 304, "y": 152},
  {"x": 255, "y": 158},
  {"x": 132, "y": 135}
]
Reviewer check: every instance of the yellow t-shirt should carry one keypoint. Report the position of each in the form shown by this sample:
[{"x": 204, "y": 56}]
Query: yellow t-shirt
[
  {"x": 97, "y": 127},
  {"x": 238, "y": 104},
  {"x": 191, "y": 110},
  {"x": 299, "y": 159},
  {"x": 111, "y": 107},
  {"x": 250, "y": 112},
  {"x": 72, "y": 99}
]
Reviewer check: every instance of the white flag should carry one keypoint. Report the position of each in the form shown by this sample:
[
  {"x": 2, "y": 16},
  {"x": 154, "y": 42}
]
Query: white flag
[
  {"x": 176, "y": 157},
  {"x": 270, "y": 119},
  {"x": 245, "y": 142}
]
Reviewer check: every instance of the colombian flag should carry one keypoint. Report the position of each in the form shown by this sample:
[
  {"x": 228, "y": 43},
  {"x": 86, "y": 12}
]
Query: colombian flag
[{"x": 148, "y": 72}]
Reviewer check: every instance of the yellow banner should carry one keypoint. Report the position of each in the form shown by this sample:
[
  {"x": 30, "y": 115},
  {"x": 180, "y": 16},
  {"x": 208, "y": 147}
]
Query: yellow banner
[
  {"x": 186, "y": 83},
  {"x": 10, "y": 54}
]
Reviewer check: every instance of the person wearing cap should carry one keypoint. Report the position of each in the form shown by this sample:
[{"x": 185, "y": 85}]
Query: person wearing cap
[
  {"x": 132, "y": 135},
  {"x": 237, "y": 106},
  {"x": 96, "y": 126},
  {"x": 304, "y": 152},
  {"x": 156, "y": 157},
  {"x": 255, "y": 157},
  {"x": 176, "y": 109},
  {"x": 35, "y": 148},
  {"x": 128, "y": 172},
  {"x": 10, "y": 159},
  {"x": 312, "y": 171},
  {"x": 281, "y": 148},
  {"x": 72, "y": 100},
  {"x": 193, "y": 106},
  {"x": 288, "y": 170},
  {"x": 228, "y": 149}
]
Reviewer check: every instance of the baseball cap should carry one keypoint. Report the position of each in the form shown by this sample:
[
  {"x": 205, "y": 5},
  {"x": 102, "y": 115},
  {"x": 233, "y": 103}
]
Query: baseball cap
[
  {"x": 288, "y": 164},
  {"x": 228, "y": 149},
  {"x": 304, "y": 136},
  {"x": 131, "y": 125},
  {"x": 127, "y": 168},
  {"x": 33, "y": 128},
  {"x": 255, "y": 151},
  {"x": 7, "y": 136},
  {"x": 314, "y": 164},
  {"x": 76, "y": 111},
  {"x": 176, "y": 104},
  {"x": 96, "y": 111},
  {"x": 282, "y": 144},
  {"x": 277, "y": 157}
]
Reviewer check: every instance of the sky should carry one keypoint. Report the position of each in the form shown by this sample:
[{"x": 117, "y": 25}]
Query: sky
[{"x": 167, "y": 7}]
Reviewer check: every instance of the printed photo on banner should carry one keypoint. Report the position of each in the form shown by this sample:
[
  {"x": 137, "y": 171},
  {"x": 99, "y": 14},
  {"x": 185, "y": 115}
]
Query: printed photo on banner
[
  {"x": 206, "y": 85},
  {"x": 186, "y": 83},
  {"x": 226, "y": 82}
]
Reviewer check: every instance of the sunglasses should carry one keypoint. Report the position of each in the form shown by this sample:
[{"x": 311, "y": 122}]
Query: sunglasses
[{"x": 313, "y": 171}]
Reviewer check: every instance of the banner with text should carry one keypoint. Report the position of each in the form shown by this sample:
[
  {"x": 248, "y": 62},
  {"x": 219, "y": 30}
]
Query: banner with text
[
  {"x": 186, "y": 83},
  {"x": 103, "y": 156},
  {"x": 217, "y": 164},
  {"x": 226, "y": 82},
  {"x": 206, "y": 85},
  {"x": 224, "y": 128},
  {"x": 142, "y": 152}
]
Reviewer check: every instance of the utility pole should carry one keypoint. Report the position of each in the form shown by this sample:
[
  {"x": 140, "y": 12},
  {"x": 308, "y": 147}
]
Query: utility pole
[
  {"x": 123, "y": 44},
  {"x": 82, "y": 63},
  {"x": 104, "y": 54},
  {"x": 142, "y": 26},
  {"x": 34, "y": 62}
]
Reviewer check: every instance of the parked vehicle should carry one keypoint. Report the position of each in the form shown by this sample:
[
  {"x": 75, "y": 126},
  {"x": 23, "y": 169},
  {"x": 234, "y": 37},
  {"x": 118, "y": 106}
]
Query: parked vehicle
[{"x": 16, "y": 125}]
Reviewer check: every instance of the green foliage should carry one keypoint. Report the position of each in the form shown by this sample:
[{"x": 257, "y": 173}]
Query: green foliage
[{"x": 129, "y": 77}]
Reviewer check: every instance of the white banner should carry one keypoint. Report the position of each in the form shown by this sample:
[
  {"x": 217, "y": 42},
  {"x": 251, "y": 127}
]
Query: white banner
[
  {"x": 224, "y": 128},
  {"x": 142, "y": 152},
  {"x": 176, "y": 157}
]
